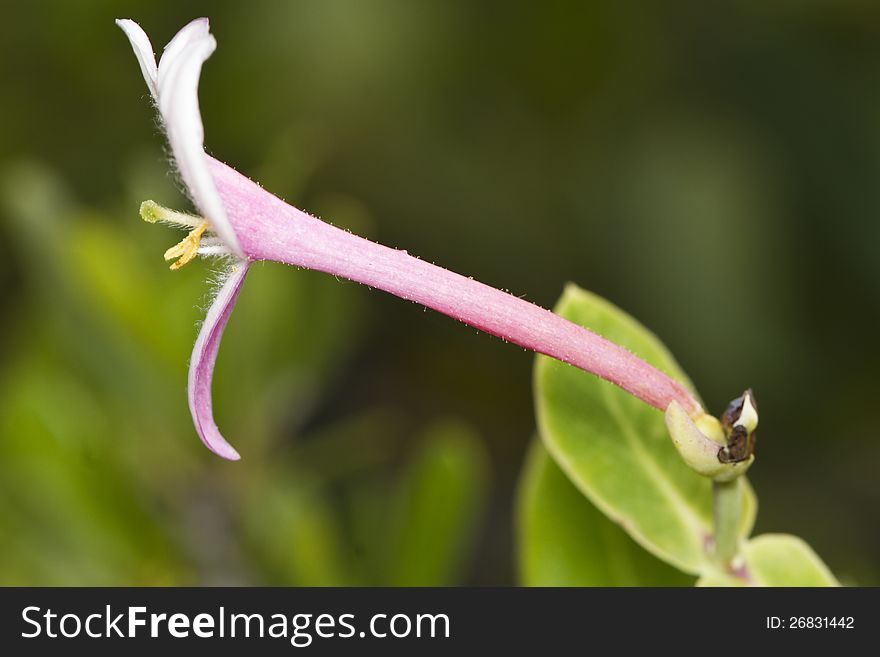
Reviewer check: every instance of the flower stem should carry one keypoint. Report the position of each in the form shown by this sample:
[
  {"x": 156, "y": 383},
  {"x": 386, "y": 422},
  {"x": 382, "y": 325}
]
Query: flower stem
[
  {"x": 727, "y": 508},
  {"x": 270, "y": 229}
]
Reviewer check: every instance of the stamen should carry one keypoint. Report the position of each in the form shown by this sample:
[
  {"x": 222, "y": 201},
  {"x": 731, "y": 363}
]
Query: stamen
[
  {"x": 191, "y": 245},
  {"x": 187, "y": 248}
]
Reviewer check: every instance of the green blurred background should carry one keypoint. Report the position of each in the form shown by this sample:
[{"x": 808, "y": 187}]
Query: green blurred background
[{"x": 712, "y": 170}]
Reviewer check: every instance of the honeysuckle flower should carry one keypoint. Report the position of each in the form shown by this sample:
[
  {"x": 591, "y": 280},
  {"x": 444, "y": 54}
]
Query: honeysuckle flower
[{"x": 242, "y": 221}]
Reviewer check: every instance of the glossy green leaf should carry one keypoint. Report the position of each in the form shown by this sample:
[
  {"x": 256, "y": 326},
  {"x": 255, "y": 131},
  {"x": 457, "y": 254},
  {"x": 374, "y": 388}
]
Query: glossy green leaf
[
  {"x": 785, "y": 560},
  {"x": 441, "y": 497},
  {"x": 776, "y": 560},
  {"x": 616, "y": 449},
  {"x": 563, "y": 540}
]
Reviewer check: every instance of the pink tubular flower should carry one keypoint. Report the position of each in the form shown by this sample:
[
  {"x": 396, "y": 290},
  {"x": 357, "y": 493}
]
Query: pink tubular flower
[{"x": 246, "y": 223}]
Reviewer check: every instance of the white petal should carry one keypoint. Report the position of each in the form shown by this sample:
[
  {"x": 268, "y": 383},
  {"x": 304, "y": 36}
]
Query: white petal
[
  {"x": 195, "y": 30},
  {"x": 179, "y": 71},
  {"x": 143, "y": 50}
]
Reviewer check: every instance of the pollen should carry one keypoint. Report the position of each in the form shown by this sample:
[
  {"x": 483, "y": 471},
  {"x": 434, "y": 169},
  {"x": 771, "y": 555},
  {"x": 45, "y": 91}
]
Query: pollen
[{"x": 187, "y": 248}]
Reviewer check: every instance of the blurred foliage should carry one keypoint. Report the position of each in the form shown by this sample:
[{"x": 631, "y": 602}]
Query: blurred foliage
[
  {"x": 709, "y": 167},
  {"x": 102, "y": 482}
]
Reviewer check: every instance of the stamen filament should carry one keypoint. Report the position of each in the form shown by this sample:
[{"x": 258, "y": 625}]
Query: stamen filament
[
  {"x": 187, "y": 248},
  {"x": 191, "y": 245},
  {"x": 213, "y": 250}
]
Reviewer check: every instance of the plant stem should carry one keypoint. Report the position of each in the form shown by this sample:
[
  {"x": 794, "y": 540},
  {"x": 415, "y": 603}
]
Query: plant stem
[{"x": 727, "y": 503}]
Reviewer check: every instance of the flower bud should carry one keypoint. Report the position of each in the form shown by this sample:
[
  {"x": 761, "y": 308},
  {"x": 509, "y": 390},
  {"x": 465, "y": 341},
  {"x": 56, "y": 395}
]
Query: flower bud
[
  {"x": 720, "y": 450},
  {"x": 739, "y": 422}
]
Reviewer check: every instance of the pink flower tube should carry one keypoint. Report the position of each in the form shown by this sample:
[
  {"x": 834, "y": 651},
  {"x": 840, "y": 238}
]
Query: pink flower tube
[{"x": 247, "y": 223}]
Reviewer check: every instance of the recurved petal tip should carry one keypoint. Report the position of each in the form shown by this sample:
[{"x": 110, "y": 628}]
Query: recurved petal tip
[
  {"x": 197, "y": 30},
  {"x": 178, "y": 84},
  {"x": 201, "y": 366},
  {"x": 143, "y": 50}
]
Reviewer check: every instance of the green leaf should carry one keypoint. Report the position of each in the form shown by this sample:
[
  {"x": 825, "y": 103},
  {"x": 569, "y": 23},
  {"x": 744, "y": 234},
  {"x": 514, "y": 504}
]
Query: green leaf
[
  {"x": 441, "y": 497},
  {"x": 564, "y": 540},
  {"x": 616, "y": 449},
  {"x": 776, "y": 560},
  {"x": 719, "y": 579},
  {"x": 785, "y": 560}
]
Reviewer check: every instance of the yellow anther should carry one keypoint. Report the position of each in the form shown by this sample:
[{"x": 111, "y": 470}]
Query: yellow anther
[{"x": 187, "y": 248}]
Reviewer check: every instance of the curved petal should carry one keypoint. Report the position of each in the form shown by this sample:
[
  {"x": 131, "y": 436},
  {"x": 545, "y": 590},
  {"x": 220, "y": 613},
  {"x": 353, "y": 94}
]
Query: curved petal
[
  {"x": 143, "y": 50},
  {"x": 201, "y": 365},
  {"x": 195, "y": 30},
  {"x": 179, "y": 72}
]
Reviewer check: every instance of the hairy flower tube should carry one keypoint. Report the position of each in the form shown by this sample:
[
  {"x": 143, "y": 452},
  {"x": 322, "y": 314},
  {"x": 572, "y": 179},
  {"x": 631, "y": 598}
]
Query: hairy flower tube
[{"x": 240, "y": 220}]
